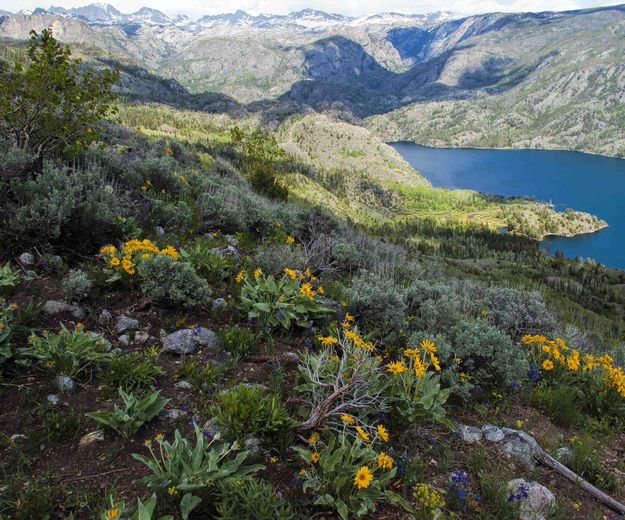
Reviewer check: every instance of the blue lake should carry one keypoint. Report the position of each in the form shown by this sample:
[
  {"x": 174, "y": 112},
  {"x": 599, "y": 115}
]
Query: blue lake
[{"x": 591, "y": 183}]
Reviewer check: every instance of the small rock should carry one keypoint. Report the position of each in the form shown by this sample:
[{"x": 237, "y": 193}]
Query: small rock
[
  {"x": 179, "y": 342},
  {"x": 65, "y": 384},
  {"x": 211, "y": 428},
  {"x": 205, "y": 337},
  {"x": 538, "y": 505},
  {"x": 53, "y": 307},
  {"x": 564, "y": 454},
  {"x": 470, "y": 434},
  {"x": 232, "y": 240},
  {"x": 125, "y": 323},
  {"x": 17, "y": 436},
  {"x": 124, "y": 339},
  {"x": 159, "y": 231},
  {"x": 105, "y": 317},
  {"x": 90, "y": 438},
  {"x": 183, "y": 385},
  {"x": 228, "y": 252},
  {"x": 252, "y": 444},
  {"x": 219, "y": 304},
  {"x": 141, "y": 338},
  {"x": 174, "y": 414},
  {"x": 520, "y": 451},
  {"x": 54, "y": 399},
  {"x": 27, "y": 259},
  {"x": 31, "y": 275},
  {"x": 289, "y": 358},
  {"x": 492, "y": 433}
]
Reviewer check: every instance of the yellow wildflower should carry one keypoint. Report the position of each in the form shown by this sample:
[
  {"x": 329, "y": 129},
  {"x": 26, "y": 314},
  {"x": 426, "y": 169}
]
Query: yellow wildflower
[
  {"x": 314, "y": 457},
  {"x": 346, "y": 418},
  {"x": 396, "y": 367},
  {"x": 307, "y": 290},
  {"x": 291, "y": 273},
  {"x": 314, "y": 437},
  {"x": 172, "y": 491},
  {"x": 115, "y": 261},
  {"x": 547, "y": 365},
  {"x": 328, "y": 340},
  {"x": 383, "y": 433},
  {"x": 257, "y": 272},
  {"x": 112, "y": 513},
  {"x": 384, "y": 461},
  {"x": 363, "y": 478},
  {"x": 362, "y": 433},
  {"x": 240, "y": 275},
  {"x": 428, "y": 346},
  {"x": 290, "y": 240}
]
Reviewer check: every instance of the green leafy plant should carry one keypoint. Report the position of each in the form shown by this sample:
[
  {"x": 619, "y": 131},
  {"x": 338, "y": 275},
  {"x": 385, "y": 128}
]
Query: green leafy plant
[
  {"x": 282, "y": 302},
  {"x": 249, "y": 409},
  {"x": 6, "y": 330},
  {"x": 135, "y": 413},
  {"x": 144, "y": 510},
  {"x": 205, "y": 376},
  {"x": 251, "y": 499},
  {"x": 414, "y": 391},
  {"x": 69, "y": 353},
  {"x": 8, "y": 278},
  {"x": 348, "y": 476},
  {"x": 239, "y": 341},
  {"x": 132, "y": 372},
  {"x": 180, "y": 467},
  {"x": 207, "y": 264}
]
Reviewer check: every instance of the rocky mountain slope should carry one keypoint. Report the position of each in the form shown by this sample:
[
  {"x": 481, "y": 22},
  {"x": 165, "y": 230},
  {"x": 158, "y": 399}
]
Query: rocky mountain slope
[{"x": 547, "y": 80}]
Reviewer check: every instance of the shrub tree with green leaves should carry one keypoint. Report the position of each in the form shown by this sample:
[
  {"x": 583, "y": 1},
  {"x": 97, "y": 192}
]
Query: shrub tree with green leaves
[{"x": 50, "y": 104}]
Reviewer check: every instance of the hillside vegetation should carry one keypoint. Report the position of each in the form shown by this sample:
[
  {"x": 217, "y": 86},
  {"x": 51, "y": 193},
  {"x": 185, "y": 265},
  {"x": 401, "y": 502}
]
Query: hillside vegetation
[{"x": 186, "y": 333}]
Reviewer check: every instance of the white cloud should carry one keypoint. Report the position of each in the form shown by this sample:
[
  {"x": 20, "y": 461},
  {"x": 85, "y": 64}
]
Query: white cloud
[{"x": 196, "y": 8}]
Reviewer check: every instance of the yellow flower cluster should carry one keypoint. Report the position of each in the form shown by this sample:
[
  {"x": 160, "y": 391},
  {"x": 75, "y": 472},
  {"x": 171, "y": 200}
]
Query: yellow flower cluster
[
  {"x": 355, "y": 338},
  {"x": 557, "y": 351},
  {"x": 327, "y": 340},
  {"x": 428, "y": 497},
  {"x": 420, "y": 359},
  {"x": 132, "y": 252},
  {"x": 384, "y": 461}
]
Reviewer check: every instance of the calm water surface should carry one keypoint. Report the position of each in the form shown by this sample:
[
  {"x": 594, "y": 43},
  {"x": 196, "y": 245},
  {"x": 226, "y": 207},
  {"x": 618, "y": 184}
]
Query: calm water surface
[{"x": 591, "y": 183}]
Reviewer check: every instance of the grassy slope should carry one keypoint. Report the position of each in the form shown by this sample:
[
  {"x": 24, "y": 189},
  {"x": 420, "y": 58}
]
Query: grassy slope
[{"x": 354, "y": 153}]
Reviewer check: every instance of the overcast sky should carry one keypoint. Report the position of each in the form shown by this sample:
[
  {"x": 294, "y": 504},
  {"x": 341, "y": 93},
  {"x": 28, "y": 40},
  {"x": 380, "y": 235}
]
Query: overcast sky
[{"x": 195, "y": 8}]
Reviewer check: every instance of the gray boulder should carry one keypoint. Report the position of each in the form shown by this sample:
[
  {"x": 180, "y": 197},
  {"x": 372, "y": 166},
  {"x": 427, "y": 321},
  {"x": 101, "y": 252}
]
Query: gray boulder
[
  {"x": 54, "y": 307},
  {"x": 470, "y": 434},
  {"x": 536, "y": 501},
  {"x": 27, "y": 259},
  {"x": 219, "y": 304},
  {"x": 492, "y": 433},
  {"x": 183, "y": 385},
  {"x": 520, "y": 451},
  {"x": 187, "y": 341},
  {"x": 105, "y": 317},
  {"x": 125, "y": 324},
  {"x": 65, "y": 385},
  {"x": 211, "y": 428}
]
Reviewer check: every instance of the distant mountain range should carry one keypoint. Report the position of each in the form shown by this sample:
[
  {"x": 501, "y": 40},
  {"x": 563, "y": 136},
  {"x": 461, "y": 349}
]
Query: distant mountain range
[
  {"x": 307, "y": 19},
  {"x": 537, "y": 80}
]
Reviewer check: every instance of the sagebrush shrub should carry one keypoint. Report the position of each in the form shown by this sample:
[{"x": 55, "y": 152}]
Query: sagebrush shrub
[
  {"x": 167, "y": 281},
  {"x": 77, "y": 284},
  {"x": 251, "y": 499}
]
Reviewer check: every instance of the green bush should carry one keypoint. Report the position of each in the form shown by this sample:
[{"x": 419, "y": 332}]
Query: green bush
[
  {"x": 171, "y": 282},
  {"x": 251, "y": 499},
  {"x": 332, "y": 474},
  {"x": 179, "y": 467},
  {"x": 249, "y": 410},
  {"x": 69, "y": 353},
  {"x": 282, "y": 302},
  {"x": 377, "y": 302},
  {"x": 272, "y": 258},
  {"x": 207, "y": 264},
  {"x": 77, "y": 284},
  {"x": 239, "y": 341},
  {"x": 6, "y": 330},
  {"x": 203, "y": 377},
  {"x": 132, "y": 372},
  {"x": 73, "y": 209},
  {"x": 135, "y": 413}
]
